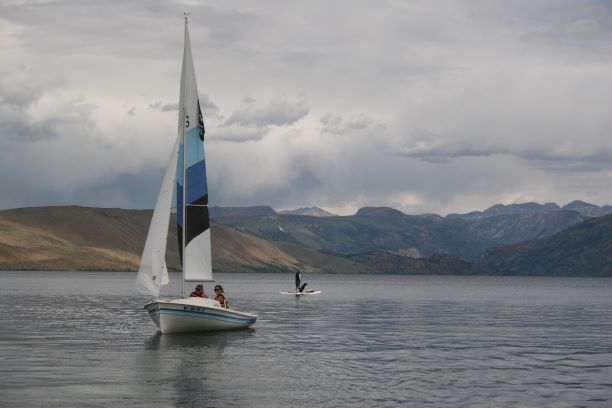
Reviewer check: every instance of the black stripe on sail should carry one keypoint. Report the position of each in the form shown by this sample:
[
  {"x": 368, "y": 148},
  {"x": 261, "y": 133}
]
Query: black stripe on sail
[
  {"x": 201, "y": 201},
  {"x": 179, "y": 231},
  {"x": 197, "y": 221}
]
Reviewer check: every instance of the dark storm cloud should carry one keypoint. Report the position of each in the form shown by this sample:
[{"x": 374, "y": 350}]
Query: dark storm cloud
[
  {"x": 305, "y": 180},
  {"x": 135, "y": 190},
  {"x": 20, "y": 123},
  {"x": 431, "y": 151}
]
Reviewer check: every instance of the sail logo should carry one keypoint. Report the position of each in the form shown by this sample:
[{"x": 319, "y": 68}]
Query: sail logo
[{"x": 200, "y": 122}]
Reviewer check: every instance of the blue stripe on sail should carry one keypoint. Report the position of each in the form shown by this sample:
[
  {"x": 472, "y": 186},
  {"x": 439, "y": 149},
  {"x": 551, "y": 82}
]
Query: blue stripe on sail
[
  {"x": 195, "y": 167},
  {"x": 192, "y": 151},
  {"x": 179, "y": 204},
  {"x": 196, "y": 182},
  {"x": 197, "y": 186},
  {"x": 195, "y": 147},
  {"x": 205, "y": 315}
]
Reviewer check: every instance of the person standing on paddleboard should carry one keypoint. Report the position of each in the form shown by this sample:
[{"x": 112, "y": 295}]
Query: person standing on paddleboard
[{"x": 298, "y": 282}]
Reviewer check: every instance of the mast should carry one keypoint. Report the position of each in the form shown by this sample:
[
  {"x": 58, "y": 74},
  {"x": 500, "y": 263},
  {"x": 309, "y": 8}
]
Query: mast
[{"x": 184, "y": 148}]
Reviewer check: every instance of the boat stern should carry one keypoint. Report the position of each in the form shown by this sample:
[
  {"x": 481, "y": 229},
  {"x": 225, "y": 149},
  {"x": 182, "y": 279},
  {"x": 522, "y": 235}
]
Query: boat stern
[{"x": 153, "y": 311}]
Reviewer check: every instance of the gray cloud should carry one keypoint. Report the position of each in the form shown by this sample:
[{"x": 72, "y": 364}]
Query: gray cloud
[
  {"x": 18, "y": 96},
  {"x": 339, "y": 126},
  {"x": 436, "y": 151},
  {"x": 238, "y": 134},
  {"x": 252, "y": 123},
  {"x": 276, "y": 113},
  {"x": 437, "y": 107},
  {"x": 20, "y": 121},
  {"x": 207, "y": 105},
  {"x": 104, "y": 29},
  {"x": 164, "y": 107}
]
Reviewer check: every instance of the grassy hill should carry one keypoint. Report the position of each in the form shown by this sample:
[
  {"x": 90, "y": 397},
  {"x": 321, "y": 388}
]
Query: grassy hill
[
  {"x": 582, "y": 250},
  {"x": 381, "y": 229},
  {"x": 82, "y": 238},
  {"x": 507, "y": 229},
  {"x": 370, "y": 230},
  {"x": 58, "y": 238}
]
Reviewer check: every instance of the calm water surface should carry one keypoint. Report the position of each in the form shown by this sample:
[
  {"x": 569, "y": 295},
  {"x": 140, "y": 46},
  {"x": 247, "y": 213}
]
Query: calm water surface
[{"x": 83, "y": 339}]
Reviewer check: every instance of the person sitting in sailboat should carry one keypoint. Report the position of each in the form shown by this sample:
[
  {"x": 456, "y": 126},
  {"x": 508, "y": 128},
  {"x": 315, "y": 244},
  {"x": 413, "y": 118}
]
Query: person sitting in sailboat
[
  {"x": 220, "y": 296},
  {"x": 198, "y": 292}
]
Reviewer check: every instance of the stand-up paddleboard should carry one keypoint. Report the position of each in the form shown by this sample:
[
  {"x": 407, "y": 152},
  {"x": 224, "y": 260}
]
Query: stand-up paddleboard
[{"x": 307, "y": 292}]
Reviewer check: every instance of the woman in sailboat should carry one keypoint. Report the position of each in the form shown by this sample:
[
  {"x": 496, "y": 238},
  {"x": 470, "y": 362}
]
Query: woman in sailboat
[
  {"x": 220, "y": 296},
  {"x": 198, "y": 292}
]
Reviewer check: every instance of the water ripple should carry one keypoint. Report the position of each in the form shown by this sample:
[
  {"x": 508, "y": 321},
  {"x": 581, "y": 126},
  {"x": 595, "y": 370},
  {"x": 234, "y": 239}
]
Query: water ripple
[{"x": 444, "y": 342}]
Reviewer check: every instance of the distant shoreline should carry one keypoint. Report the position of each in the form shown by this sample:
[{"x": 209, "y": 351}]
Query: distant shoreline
[{"x": 322, "y": 273}]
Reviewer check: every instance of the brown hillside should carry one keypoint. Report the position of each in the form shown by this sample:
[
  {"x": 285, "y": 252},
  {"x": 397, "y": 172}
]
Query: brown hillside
[
  {"x": 25, "y": 247},
  {"x": 82, "y": 238},
  {"x": 236, "y": 251}
]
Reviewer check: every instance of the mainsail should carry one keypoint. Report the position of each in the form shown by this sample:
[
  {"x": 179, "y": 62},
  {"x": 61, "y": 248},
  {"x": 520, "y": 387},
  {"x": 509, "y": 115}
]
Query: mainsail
[
  {"x": 193, "y": 224},
  {"x": 188, "y": 168}
]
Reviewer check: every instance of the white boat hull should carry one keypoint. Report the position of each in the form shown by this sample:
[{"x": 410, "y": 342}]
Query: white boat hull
[{"x": 196, "y": 315}]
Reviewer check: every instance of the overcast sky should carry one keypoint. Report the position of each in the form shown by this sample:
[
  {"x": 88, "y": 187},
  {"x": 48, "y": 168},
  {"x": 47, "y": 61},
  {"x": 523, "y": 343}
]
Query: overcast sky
[{"x": 445, "y": 106}]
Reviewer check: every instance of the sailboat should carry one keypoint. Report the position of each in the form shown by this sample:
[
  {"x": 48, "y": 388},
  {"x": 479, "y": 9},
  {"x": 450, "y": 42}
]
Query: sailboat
[{"x": 186, "y": 171}]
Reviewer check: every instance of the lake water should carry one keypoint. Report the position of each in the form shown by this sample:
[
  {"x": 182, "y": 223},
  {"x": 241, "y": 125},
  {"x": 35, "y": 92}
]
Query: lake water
[{"x": 83, "y": 339}]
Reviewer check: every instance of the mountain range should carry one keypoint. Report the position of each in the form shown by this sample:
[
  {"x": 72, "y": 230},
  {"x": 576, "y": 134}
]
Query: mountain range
[
  {"x": 311, "y": 211},
  {"x": 585, "y": 249},
  {"x": 584, "y": 208},
  {"x": 530, "y": 238},
  {"x": 385, "y": 229}
]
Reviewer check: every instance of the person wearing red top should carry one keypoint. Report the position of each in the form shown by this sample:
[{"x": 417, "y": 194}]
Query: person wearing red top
[
  {"x": 220, "y": 297},
  {"x": 198, "y": 292}
]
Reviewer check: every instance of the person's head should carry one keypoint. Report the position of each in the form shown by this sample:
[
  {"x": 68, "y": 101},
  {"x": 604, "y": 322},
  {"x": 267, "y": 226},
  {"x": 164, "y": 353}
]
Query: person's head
[
  {"x": 218, "y": 289},
  {"x": 198, "y": 288}
]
